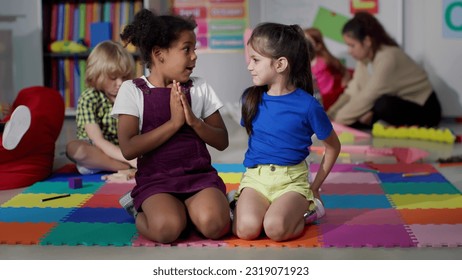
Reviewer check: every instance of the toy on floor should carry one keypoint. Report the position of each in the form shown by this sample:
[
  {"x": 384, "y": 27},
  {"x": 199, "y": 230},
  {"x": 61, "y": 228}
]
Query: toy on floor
[
  {"x": 414, "y": 132},
  {"x": 67, "y": 46},
  {"x": 450, "y": 161},
  {"x": 75, "y": 183},
  {"x": 121, "y": 176}
]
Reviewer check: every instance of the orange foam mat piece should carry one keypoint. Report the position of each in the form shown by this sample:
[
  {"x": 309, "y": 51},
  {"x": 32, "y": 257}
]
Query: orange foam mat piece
[
  {"x": 431, "y": 216},
  {"x": 309, "y": 238},
  {"x": 27, "y": 233}
]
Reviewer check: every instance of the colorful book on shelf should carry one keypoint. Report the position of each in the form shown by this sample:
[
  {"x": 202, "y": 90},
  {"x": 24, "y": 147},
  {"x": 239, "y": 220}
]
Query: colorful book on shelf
[
  {"x": 61, "y": 78},
  {"x": 82, "y": 20},
  {"x": 88, "y": 21},
  {"x": 54, "y": 74},
  {"x": 116, "y": 22},
  {"x": 71, "y": 82},
  {"x": 96, "y": 12},
  {"x": 76, "y": 30},
  {"x": 131, "y": 11},
  {"x": 60, "y": 29},
  {"x": 107, "y": 12},
  {"x": 54, "y": 23},
  {"x": 67, "y": 79},
  {"x": 82, "y": 69},
  {"x": 67, "y": 21},
  {"x": 77, "y": 78}
]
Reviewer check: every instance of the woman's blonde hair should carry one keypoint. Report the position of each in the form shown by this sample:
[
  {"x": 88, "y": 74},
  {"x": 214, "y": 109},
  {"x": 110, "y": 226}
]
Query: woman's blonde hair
[{"x": 108, "y": 60}]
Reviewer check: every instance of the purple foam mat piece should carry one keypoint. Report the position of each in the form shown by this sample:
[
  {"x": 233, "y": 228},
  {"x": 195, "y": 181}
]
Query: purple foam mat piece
[
  {"x": 366, "y": 236},
  {"x": 362, "y": 217},
  {"x": 351, "y": 188},
  {"x": 437, "y": 235}
]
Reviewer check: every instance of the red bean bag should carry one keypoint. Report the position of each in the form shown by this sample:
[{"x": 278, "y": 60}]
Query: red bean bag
[{"x": 32, "y": 160}]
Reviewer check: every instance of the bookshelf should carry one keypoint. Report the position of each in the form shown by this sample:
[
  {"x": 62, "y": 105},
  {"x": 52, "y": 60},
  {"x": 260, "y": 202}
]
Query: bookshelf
[{"x": 71, "y": 20}]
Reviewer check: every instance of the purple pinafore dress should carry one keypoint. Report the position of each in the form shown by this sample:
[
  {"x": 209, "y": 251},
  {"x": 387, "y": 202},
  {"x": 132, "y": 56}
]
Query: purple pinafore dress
[{"x": 182, "y": 165}]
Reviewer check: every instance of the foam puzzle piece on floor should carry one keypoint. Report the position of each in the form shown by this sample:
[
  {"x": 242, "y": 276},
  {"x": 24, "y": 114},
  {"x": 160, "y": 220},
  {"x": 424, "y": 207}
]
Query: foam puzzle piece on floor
[
  {"x": 419, "y": 188},
  {"x": 35, "y": 200},
  {"x": 364, "y": 209},
  {"x": 366, "y": 236},
  {"x": 448, "y": 235},
  {"x": 431, "y": 216},
  {"x": 352, "y": 188},
  {"x": 403, "y": 167},
  {"x": 309, "y": 238},
  {"x": 426, "y": 201},
  {"x": 362, "y": 217},
  {"x": 90, "y": 234},
  {"x": 191, "y": 240},
  {"x": 34, "y": 214},
  {"x": 23, "y": 233}
]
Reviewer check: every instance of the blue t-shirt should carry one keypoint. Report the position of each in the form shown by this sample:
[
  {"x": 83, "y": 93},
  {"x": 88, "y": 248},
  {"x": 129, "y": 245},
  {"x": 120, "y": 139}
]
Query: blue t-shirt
[{"x": 283, "y": 127}]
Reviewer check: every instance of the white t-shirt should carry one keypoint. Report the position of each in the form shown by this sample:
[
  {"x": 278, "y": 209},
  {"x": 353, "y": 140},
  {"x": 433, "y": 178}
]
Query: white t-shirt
[{"x": 130, "y": 100}]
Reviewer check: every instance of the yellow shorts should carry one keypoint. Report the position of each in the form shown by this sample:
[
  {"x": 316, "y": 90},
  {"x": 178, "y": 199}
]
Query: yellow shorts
[{"x": 272, "y": 180}]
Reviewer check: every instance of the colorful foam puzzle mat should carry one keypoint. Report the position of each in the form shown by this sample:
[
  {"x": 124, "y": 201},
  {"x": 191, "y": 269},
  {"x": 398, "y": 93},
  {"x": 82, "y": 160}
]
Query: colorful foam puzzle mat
[{"x": 363, "y": 209}]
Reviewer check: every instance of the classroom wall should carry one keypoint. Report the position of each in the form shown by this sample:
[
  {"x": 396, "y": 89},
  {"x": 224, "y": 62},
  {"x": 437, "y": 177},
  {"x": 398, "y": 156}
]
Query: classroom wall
[
  {"x": 226, "y": 72},
  {"x": 422, "y": 40},
  {"x": 22, "y": 20},
  {"x": 441, "y": 57}
]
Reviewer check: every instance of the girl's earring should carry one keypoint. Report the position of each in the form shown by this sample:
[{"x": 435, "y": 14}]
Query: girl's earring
[{"x": 161, "y": 60}]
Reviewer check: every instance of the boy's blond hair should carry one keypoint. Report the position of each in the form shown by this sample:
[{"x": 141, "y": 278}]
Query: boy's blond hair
[{"x": 108, "y": 60}]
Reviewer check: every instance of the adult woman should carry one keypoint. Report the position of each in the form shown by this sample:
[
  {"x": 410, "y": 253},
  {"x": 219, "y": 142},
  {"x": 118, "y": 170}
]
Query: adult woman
[{"x": 387, "y": 84}]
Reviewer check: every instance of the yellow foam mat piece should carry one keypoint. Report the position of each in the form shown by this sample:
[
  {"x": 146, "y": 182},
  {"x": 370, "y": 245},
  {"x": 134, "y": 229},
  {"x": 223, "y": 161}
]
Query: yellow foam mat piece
[
  {"x": 231, "y": 177},
  {"x": 426, "y": 201},
  {"x": 35, "y": 200}
]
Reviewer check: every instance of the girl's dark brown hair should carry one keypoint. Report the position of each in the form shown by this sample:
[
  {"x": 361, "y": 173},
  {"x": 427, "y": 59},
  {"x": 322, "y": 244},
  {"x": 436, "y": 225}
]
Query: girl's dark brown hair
[
  {"x": 364, "y": 24},
  {"x": 149, "y": 30},
  {"x": 276, "y": 40},
  {"x": 333, "y": 64}
]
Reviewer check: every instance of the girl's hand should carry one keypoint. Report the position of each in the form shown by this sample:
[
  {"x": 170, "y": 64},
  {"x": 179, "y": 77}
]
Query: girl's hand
[
  {"x": 316, "y": 194},
  {"x": 176, "y": 108},
  {"x": 190, "y": 118}
]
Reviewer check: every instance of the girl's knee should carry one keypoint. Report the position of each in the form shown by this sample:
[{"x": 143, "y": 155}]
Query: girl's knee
[
  {"x": 248, "y": 229},
  {"x": 164, "y": 230},
  {"x": 213, "y": 226},
  {"x": 276, "y": 229}
]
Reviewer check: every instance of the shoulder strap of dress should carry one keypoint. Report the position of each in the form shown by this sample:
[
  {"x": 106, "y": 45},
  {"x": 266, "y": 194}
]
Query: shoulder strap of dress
[
  {"x": 142, "y": 85},
  {"x": 187, "y": 86}
]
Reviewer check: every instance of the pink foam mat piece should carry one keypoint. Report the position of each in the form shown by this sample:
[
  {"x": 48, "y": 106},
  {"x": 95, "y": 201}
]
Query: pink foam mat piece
[
  {"x": 351, "y": 177},
  {"x": 437, "y": 235},
  {"x": 192, "y": 240},
  {"x": 359, "y": 135},
  {"x": 339, "y": 167},
  {"x": 351, "y": 188},
  {"x": 366, "y": 236},
  {"x": 362, "y": 217},
  {"x": 116, "y": 188},
  {"x": 409, "y": 155}
]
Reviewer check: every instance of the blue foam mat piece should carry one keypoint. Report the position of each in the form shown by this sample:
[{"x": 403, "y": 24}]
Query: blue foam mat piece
[{"x": 100, "y": 215}]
